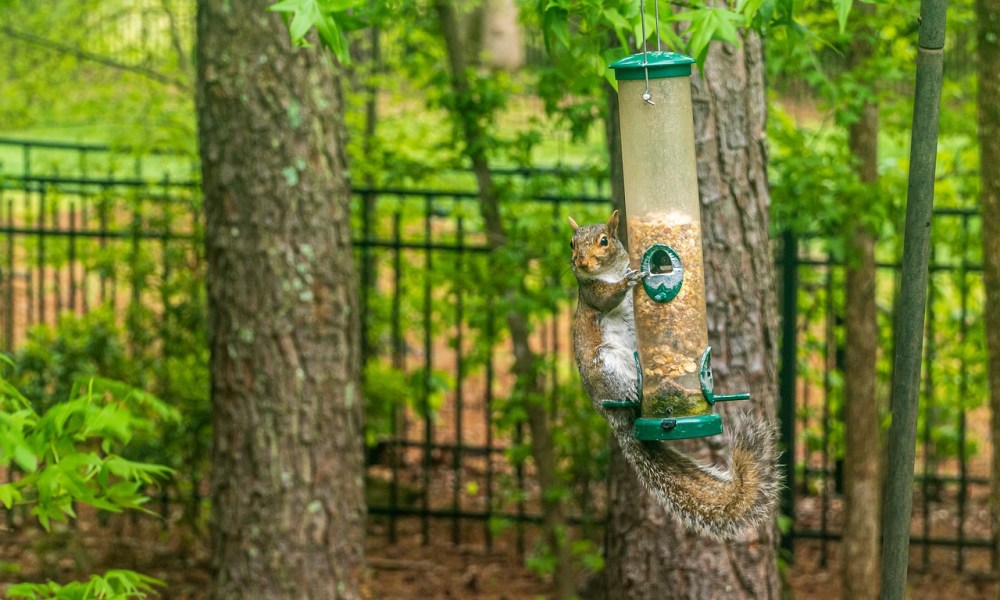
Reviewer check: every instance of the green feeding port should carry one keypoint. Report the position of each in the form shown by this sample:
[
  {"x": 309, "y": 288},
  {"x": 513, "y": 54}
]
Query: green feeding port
[
  {"x": 666, "y": 273},
  {"x": 659, "y": 65}
]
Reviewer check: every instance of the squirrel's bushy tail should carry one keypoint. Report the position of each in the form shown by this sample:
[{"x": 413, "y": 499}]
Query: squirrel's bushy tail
[{"x": 714, "y": 502}]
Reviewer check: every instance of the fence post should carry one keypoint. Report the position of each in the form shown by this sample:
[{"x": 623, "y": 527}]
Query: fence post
[{"x": 786, "y": 381}]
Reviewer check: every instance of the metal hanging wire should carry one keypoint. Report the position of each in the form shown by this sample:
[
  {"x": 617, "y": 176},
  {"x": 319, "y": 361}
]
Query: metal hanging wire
[
  {"x": 656, "y": 15},
  {"x": 645, "y": 62}
]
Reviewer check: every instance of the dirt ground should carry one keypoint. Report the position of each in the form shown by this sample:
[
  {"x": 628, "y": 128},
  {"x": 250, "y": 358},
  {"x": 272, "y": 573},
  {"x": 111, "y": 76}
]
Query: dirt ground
[
  {"x": 443, "y": 572},
  {"x": 408, "y": 569}
]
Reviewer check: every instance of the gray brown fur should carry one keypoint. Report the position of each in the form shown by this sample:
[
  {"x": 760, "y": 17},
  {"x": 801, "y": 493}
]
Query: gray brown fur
[{"x": 713, "y": 502}]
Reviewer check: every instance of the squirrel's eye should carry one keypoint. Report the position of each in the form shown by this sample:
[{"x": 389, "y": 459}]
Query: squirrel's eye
[
  {"x": 571, "y": 244},
  {"x": 604, "y": 240}
]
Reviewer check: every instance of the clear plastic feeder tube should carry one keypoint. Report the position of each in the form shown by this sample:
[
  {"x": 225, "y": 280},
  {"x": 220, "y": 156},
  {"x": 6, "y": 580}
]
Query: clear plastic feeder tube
[{"x": 664, "y": 229}]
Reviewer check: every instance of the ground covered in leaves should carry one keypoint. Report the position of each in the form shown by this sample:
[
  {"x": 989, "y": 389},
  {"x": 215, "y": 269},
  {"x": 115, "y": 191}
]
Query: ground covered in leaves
[{"x": 409, "y": 569}]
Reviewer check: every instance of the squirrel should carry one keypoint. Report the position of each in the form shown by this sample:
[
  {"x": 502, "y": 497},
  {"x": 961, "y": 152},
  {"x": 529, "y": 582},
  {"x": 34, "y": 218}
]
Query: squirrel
[{"x": 717, "y": 503}]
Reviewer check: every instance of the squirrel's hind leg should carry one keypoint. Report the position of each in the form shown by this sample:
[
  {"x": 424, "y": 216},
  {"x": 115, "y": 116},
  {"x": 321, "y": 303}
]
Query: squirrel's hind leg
[{"x": 618, "y": 366}]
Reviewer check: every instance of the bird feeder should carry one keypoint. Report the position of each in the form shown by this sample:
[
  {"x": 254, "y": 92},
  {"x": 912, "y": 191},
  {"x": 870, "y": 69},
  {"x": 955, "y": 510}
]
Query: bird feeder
[{"x": 664, "y": 234}]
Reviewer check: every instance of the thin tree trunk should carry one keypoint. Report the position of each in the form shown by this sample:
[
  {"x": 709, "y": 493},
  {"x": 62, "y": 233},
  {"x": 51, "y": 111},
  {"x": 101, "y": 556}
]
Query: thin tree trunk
[
  {"x": 612, "y": 136},
  {"x": 525, "y": 360},
  {"x": 988, "y": 22},
  {"x": 649, "y": 555},
  {"x": 503, "y": 44},
  {"x": 863, "y": 452},
  {"x": 288, "y": 507}
]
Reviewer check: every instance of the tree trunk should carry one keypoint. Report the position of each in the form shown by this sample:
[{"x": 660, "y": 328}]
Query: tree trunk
[
  {"x": 649, "y": 555},
  {"x": 503, "y": 44},
  {"x": 862, "y": 459},
  {"x": 288, "y": 508},
  {"x": 988, "y": 21}
]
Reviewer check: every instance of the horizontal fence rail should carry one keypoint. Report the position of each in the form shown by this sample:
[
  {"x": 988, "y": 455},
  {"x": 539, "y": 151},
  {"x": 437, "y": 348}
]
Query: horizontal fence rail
[{"x": 445, "y": 446}]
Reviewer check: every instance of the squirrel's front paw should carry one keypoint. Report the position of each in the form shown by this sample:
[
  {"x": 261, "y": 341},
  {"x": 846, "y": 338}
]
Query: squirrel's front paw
[{"x": 632, "y": 277}]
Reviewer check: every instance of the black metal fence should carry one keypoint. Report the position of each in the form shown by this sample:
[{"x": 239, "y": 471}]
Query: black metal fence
[
  {"x": 446, "y": 446},
  {"x": 85, "y": 226},
  {"x": 951, "y": 522}
]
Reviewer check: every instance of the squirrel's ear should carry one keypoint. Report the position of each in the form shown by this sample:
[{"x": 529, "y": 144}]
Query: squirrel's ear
[
  {"x": 613, "y": 224},
  {"x": 573, "y": 223}
]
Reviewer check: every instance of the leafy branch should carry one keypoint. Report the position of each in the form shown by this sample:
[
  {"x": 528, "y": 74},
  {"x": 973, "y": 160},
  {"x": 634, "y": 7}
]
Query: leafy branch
[
  {"x": 71, "y": 454},
  {"x": 325, "y": 16},
  {"x": 81, "y": 54},
  {"x": 68, "y": 454}
]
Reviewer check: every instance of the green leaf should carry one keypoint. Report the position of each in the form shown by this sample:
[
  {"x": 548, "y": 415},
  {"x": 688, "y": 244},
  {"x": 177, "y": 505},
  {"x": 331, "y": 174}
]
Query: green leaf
[
  {"x": 709, "y": 24},
  {"x": 318, "y": 14},
  {"x": 339, "y": 5},
  {"x": 135, "y": 471},
  {"x": 9, "y": 495},
  {"x": 25, "y": 458},
  {"x": 132, "y": 396},
  {"x": 843, "y": 9},
  {"x": 616, "y": 19},
  {"x": 118, "y": 584},
  {"x": 303, "y": 21},
  {"x": 43, "y": 518},
  {"x": 333, "y": 38},
  {"x": 305, "y": 15},
  {"x": 555, "y": 27},
  {"x": 749, "y": 8}
]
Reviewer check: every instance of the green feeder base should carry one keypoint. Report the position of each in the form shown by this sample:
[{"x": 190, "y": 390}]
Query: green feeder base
[{"x": 677, "y": 428}]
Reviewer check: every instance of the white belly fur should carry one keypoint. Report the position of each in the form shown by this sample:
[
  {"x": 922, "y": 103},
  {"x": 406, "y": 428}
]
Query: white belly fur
[{"x": 617, "y": 351}]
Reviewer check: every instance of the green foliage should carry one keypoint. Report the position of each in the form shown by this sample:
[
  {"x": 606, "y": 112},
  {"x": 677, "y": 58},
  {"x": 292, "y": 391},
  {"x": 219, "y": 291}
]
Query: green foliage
[
  {"x": 162, "y": 350},
  {"x": 116, "y": 584},
  {"x": 82, "y": 71},
  {"x": 593, "y": 22},
  {"x": 54, "y": 359},
  {"x": 815, "y": 192},
  {"x": 323, "y": 15},
  {"x": 71, "y": 453},
  {"x": 388, "y": 389},
  {"x": 529, "y": 275},
  {"x": 815, "y": 187}
]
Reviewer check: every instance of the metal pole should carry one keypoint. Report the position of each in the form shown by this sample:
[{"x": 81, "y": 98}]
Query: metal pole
[{"x": 912, "y": 304}]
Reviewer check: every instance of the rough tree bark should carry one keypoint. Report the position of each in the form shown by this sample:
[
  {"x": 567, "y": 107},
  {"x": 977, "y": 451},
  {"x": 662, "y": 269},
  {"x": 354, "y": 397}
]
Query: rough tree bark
[
  {"x": 649, "y": 556},
  {"x": 287, "y": 480},
  {"x": 988, "y": 38},
  {"x": 863, "y": 453}
]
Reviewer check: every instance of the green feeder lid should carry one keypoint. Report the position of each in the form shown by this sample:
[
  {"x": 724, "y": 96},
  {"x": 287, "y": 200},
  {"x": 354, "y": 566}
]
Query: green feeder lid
[{"x": 659, "y": 64}]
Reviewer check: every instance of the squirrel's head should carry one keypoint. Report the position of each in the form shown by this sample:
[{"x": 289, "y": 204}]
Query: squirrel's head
[{"x": 596, "y": 247}]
